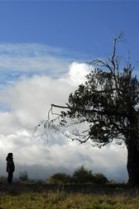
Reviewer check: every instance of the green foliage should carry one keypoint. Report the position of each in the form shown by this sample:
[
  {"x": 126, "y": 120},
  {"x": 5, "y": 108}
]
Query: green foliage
[
  {"x": 106, "y": 102},
  {"x": 83, "y": 175},
  {"x": 59, "y": 178},
  {"x": 99, "y": 178}
]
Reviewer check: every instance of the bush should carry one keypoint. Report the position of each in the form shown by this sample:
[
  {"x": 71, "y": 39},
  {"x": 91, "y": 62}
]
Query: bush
[
  {"x": 60, "y": 178},
  {"x": 80, "y": 176},
  {"x": 3, "y": 179},
  {"x": 83, "y": 175},
  {"x": 23, "y": 176},
  {"x": 99, "y": 178}
]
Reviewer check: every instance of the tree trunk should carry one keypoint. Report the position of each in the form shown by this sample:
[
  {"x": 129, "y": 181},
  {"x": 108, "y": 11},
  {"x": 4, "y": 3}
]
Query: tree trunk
[{"x": 133, "y": 162}]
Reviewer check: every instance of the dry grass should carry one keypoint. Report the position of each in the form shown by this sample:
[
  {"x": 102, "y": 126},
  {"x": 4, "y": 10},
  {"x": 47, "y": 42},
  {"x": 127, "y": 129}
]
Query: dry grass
[{"x": 39, "y": 196}]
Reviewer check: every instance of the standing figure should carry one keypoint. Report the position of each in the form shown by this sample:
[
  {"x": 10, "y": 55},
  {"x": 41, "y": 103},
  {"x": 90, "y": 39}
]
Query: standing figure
[{"x": 10, "y": 167}]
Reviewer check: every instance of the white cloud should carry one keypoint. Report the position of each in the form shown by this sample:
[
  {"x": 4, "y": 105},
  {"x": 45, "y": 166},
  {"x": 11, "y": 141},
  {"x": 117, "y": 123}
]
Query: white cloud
[
  {"x": 28, "y": 100},
  {"x": 78, "y": 71},
  {"x": 32, "y": 58},
  {"x": 56, "y": 156}
]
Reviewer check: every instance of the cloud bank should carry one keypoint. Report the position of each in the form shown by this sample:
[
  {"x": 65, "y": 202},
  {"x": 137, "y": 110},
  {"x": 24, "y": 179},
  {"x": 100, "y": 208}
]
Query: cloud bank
[{"x": 36, "y": 76}]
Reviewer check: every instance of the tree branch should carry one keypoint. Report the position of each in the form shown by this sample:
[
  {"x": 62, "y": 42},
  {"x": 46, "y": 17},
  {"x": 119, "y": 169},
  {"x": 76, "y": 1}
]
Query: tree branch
[
  {"x": 60, "y": 106},
  {"x": 91, "y": 111}
]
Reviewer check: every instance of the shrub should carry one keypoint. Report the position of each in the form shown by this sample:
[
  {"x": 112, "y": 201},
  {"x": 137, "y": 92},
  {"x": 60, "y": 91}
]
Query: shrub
[
  {"x": 3, "y": 179},
  {"x": 83, "y": 175},
  {"x": 23, "y": 176},
  {"x": 60, "y": 178},
  {"x": 80, "y": 176},
  {"x": 99, "y": 178}
]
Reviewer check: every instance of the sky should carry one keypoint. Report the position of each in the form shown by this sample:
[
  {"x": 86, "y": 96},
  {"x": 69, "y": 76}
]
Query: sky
[{"x": 44, "y": 50}]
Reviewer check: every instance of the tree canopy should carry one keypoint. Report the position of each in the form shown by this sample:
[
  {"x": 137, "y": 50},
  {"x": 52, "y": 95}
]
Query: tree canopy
[
  {"x": 107, "y": 106},
  {"x": 106, "y": 102}
]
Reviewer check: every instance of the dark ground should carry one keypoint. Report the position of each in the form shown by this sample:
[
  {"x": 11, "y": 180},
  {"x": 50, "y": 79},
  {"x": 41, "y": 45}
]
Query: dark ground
[{"x": 20, "y": 187}]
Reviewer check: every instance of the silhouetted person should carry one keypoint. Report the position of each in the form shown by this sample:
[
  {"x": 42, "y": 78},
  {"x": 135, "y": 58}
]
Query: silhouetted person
[{"x": 10, "y": 167}]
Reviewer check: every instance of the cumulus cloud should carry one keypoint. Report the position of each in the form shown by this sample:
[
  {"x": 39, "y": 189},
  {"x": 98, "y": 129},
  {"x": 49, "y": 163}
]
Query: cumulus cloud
[
  {"x": 28, "y": 100},
  {"x": 77, "y": 72}
]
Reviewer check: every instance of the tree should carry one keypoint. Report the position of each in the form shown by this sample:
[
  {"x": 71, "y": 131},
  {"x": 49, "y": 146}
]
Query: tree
[{"x": 108, "y": 105}]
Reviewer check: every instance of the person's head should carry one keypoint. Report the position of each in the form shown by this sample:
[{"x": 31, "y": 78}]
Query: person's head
[{"x": 9, "y": 156}]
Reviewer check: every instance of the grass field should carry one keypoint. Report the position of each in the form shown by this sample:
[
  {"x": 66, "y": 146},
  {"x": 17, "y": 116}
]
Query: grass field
[{"x": 39, "y": 196}]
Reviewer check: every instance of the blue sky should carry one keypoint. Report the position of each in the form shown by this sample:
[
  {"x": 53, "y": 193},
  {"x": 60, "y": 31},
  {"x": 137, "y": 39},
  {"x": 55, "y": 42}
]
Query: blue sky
[
  {"x": 43, "y": 49},
  {"x": 80, "y": 27}
]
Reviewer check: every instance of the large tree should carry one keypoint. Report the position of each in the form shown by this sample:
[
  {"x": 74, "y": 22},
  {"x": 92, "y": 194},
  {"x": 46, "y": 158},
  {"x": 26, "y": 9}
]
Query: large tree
[{"x": 107, "y": 104}]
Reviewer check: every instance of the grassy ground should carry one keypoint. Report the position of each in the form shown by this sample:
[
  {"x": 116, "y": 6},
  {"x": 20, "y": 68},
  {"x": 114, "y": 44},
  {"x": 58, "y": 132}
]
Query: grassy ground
[{"x": 39, "y": 196}]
